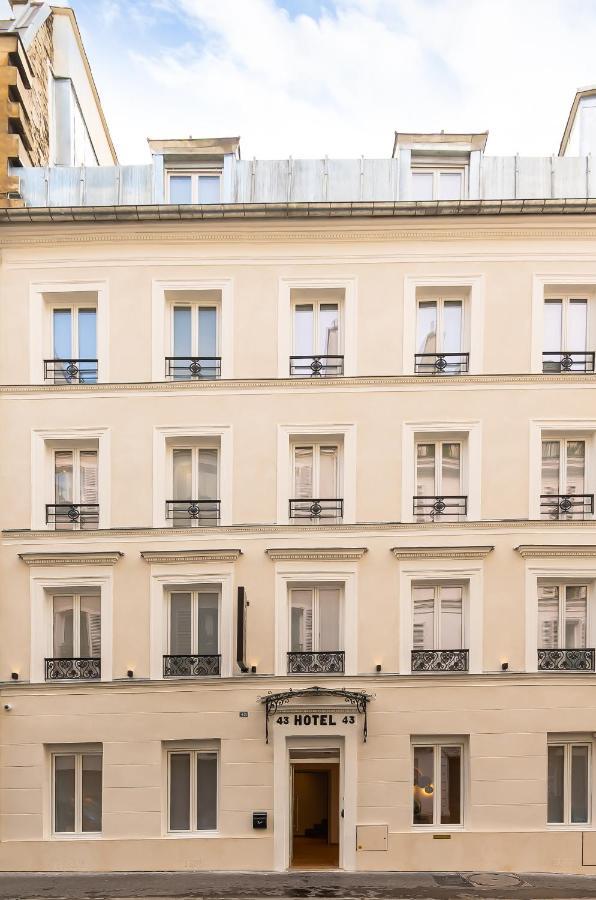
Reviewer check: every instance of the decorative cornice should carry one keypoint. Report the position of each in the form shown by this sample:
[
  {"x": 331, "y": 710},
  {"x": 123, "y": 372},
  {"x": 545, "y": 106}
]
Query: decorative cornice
[
  {"x": 560, "y": 551},
  {"x": 480, "y": 552},
  {"x": 71, "y": 559},
  {"x": 293, "y": 553},
  {"x": 190, "y": 556}
]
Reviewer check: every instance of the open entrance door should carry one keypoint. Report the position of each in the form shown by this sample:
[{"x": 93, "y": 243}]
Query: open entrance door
[{"x": 315, "y": 809}]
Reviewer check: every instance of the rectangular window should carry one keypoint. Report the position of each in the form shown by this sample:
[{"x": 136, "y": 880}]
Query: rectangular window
[
  {"x": 438, "y": 784},
  {"x": 569, "y": 786},
  {"x": 562, "y": 616},
  {"x": 440, "y": 337},
  {"x": 194, "y": 187},
  {"x": 439, "y": 481},
  {"x": 195, "y": 341},
  {"x": 76, "y": 626},
  {"x": 195, "y": 486},
  {"x": 316, "y": 329},
  {"x": 194, "y": 622},
  {"x": 77, "y": 793},
  {"x": 563, "y": 477},
  {"x": 76, "y": 489},
  {"x": 316, "y": 471},
  {"x": 192, "y": 790},
  {"x": 315, "y": 618},
  {"x": 438, "y": 622},
  {"x": 74, "y": 345},
  {"x": 438, "y": 184},
  {"x": 565, "y": 340}
]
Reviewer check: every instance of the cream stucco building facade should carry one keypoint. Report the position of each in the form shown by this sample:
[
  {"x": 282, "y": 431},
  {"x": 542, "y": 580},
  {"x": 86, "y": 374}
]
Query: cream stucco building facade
[{"x": 298, "y": 544}]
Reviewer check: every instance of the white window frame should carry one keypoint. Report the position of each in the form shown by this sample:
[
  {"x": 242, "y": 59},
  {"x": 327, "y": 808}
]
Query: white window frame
[
  {"x": 316, "y": 302},
  {"x": 440, "y": 301},
  {"x": 73, "y": 307},
  {"x": 437, "y": 166},
  {"x": 193, "y": 747},
  {"x": 76, "y": 615},
  {"x": 347, "y": 314},
  {"x": 469, "y": 434},
  {"x": 437, "y": 586},
  {"x": 564, "y": 297},
  {"x": 568, "y": 741},
  {"x": 195, "y": 175},
  {"x": 562, "y": 588},
  {"x": 194, "y": 306},
  {"x": 316, "y": 446},
  {"x": 437, "y": 744},
  {"x": 194, "y": 590},
  {"x": 208, "y": 444},
  {"x": 315, "y": 588},
  {"x": 558, "y": 429},
  {"x": 473, "y": 289},
  {"x": 438, "y": 445},
  {"x": 78, "y": 752},
  {"x": 76, "y": 451},
  {"x": 40, "y": 324},
  {"x": 161, "y": 321},
  {"x": 194, "y": 754},
  {"x": 543, "y": 288}
]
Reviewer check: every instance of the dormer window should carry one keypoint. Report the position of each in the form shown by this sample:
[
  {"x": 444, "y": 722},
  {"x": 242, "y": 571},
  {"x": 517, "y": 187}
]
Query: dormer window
[
  {"x": 438, "y": 182},
  {"x": 194, "y": 187}
]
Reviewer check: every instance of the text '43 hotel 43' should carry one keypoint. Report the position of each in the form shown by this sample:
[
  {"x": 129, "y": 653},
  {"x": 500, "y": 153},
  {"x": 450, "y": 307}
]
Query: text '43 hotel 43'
[{"x": 298, "y": 464}]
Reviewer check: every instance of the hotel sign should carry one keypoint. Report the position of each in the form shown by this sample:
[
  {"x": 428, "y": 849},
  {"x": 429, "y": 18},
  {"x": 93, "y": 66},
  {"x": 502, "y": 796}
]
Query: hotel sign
[
  {"x": 280, "y": 710},
  {"x": 329, "y": 718}
]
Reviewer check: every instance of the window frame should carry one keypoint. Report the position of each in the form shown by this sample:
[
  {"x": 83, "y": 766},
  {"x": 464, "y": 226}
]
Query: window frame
[
  {"x": 195, "y": 174},
  {"x": 316, "y": 302},
  {"x": 194, "y": 752},
  {"x": 76, "y": 451},
  {"x": 194, "y": 445},
  {"x": 437, "y": 585},
  {"x": 563, "y": 440},
  {"x": 194, "y": 591},
  {"x": 568, "y": 742},
  {"x": 316, "y": 446},
  {"x": 315, "y": 587},
  {"x": 194, "y": 306},
  {"x": 565, "y": 298},
  {"x": 76, "y": 617},
  {"x": 438, "y": 744},
  {"x": 73, "y": 307},
  {"x": 562, "y": 584},
  {"x": 438, "y": 477},
  {"x": 440, "y": 301},
  {"x": 78, "y": 754},
  {"x": 437, "y": 167}
]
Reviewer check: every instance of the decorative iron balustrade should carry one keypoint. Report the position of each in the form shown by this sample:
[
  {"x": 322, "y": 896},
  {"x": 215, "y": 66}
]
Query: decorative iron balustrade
[
  {"x": 70, "y": 371},
  {"x": 441, "y": 363},
  {"x": 440, "y": 660},
  {"x": 318, "y": 508},
  {"x": 317, "y": 366},
  {"x": 187, "y": 513},
  {"x": 446, "y": 508},
  {"x": 316, "y": 662},
  {"x": 188, "y": 666},
  {"x": 566, "y": 506},
  {"x": 76, "y": 668},
  {"x": 573, "y": 659},
  {"x": 580, "y": 361},
  {"x": 72, "y": 515},
  {"x": 191, "y": 368}
]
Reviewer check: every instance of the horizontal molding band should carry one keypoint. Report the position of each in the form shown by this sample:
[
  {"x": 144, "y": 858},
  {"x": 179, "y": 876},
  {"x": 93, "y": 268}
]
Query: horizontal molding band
[
  {"x": 192, "y": 556},
  {"x": 71, "y": 559},
  {"x": 442, "y": 552},
  {"x": 330, "y": 553},
  {"x": 538, "y": 551}
]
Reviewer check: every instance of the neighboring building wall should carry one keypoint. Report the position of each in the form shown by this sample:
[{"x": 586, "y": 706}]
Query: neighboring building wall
[{"x": 41, "y": 54}]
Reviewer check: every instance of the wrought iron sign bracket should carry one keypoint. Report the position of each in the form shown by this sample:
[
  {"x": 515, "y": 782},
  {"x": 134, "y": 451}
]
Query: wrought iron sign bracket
[{"x": 357, "y": 699}]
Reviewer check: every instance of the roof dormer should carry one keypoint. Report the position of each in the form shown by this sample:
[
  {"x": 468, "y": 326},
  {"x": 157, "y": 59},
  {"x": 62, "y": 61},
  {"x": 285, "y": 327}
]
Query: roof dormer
[{"x": 439, "y": 166}]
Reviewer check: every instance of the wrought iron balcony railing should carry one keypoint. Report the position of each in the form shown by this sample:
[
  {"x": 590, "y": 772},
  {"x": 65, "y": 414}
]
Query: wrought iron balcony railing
[
  {"x": 316, "y": 662},
  {"x": 439, "y": 660},
  {"x": 446, "y": 508},
  {"x": 566, "y": 506},
  {"x": 573, "y": 659},
  {"x": 318, "y": 508},
  {"x": 182, "y": 666},
  {"x": 316, "y": 366},
  {"x": 580, "y": 361},
  {"x": 187, "y": 513},
  {"x": 192, "y": 368},
  {"x": 441, "y": 363},
  {"x": 73, "y": 515},
  {"x": 76, "y": 668},
  {"x": 70, "y": 371}
]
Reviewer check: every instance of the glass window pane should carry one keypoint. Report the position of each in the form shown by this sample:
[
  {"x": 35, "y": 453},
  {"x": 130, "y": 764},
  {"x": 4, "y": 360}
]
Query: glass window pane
[
  {"x": 209, "y": 189},
  {"x": 206, "y": 791},
  {"x": 576, "y": 467},
  {"x": 180, "y": 624},
  {"x": 63, "y": 643},
  {"x": 577, "y": 321},
  {"x": 424, "y": 785},
  {"x": 450, "y": 785},
  {"x": 62, "y": 328},
  {"x": 87, "y": 334},
  {"x": 556, "y": 779},
  {"x": 551, "y": 458},
  {"x": 451, "y": 637},
  {"x": 207, "y": 331},
  {"x": 179, "y": 792},
  {"x": 548, "y": 616},
  {"x": 452, "y": 326},
  {"x": 64, "y": 793},
  {"x": 576, "y": 614},
  {"x": 422, "y": 185},
  {"x": 303, "y": 329},
  {"x": 63, "y": 476},
  {"x": 88, "y": 465},
  {"x": 182, "y": 475},
  {"x": 208, "y": 622},
  {"x": 579, "y": 784},
  {"x": 91, "y": 792},
  {"x": 180, "y": 189},
  {"x": 426, "y": 327},
  {"x": 553, "y": 330},
  {"x": 329, "y": 329},
  {"x": 90, "y": 626},
  {"x": 301, "y": 620},
  {"x": 329, "y": 612},
  {"x": 425, "y": 470},
  {"x": 423, "y": 636},
  {"x": 303, "y": 473},
  {"x": 450, "y": 186},
  {"x": 208, "y": 481},
  {"x": 451, "y": 469},
  {"x": 182, "y": 343},
  {"x": 328, "y": 472}
]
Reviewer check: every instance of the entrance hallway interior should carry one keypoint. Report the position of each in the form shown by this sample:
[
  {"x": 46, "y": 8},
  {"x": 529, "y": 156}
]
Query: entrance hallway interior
[{"x": 315, "y": 811}]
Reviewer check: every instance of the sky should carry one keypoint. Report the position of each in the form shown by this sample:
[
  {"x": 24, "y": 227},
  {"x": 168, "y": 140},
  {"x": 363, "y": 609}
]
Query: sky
[{"x": 309, "y": 78}]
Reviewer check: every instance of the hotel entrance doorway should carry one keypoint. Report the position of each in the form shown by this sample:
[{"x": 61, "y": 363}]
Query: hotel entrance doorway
[{"x": 315, "y": 812}]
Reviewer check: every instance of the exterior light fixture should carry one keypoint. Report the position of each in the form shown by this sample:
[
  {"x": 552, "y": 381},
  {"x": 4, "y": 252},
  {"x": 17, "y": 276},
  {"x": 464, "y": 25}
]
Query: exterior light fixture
[
  {"x": 253, "y": 670},
  {"x": 504, "y": 666},
  {"x": 378, "y": 667},
  {"x": 14, "y": 676},
  {"x": 130, "y": 673}
]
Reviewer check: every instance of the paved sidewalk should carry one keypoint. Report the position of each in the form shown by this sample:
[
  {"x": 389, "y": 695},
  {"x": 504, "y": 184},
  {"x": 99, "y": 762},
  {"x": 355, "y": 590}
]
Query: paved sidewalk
[{"x": 368, "y": 885}]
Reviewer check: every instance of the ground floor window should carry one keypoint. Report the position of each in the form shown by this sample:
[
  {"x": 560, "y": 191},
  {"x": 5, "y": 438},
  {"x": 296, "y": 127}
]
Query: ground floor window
[
  {"x": 77, "y": 788},
  {"x": 437, "y": 784},
  {"x": 192, "y": 790},
  {"x": 568, "y": 783}
]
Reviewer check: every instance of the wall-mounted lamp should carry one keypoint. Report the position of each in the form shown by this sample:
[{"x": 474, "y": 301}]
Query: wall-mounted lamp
[
  {"x": 378, "y": 667},
  {"x": 504, "y": 666},
  {"x": 253, "y": 670},
  {"x": 14, "y": 676},
  {"x": 130, "y": 673}
]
